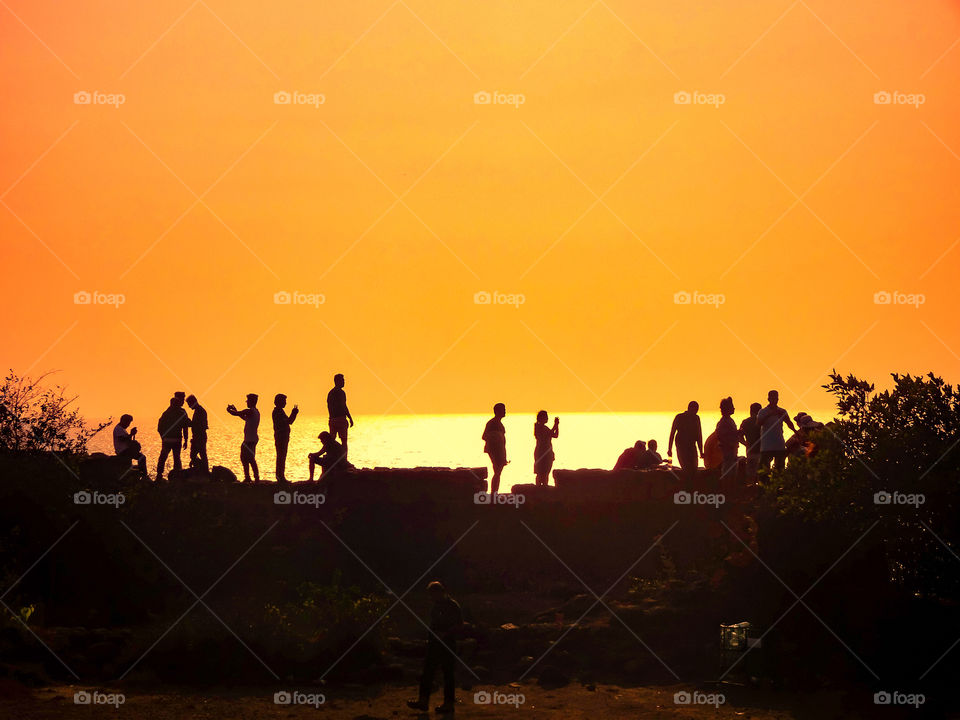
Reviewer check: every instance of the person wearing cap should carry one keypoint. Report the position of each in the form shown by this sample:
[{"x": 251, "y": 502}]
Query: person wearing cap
[
  {"x": 281, "y": 432},
  {"x": 248, "y": 448},
  {"x": 446, "y": 621}
]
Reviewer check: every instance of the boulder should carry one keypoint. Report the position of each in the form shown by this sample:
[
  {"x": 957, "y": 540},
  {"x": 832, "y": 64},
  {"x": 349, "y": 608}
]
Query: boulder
[{"x": 218, "y": 473}]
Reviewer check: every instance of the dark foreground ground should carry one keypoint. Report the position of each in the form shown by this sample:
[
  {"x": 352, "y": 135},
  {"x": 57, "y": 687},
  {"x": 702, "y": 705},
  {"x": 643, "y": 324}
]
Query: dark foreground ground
[{"x": 576, "y": 702}]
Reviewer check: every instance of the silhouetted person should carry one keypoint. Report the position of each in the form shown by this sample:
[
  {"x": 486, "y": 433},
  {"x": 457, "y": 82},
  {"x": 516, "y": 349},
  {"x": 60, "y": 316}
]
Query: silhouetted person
[
  {"x": 771, "y": 420},
  {"x": 248, "y": 448},
  {"x": 446, "y": 621},
  {"x": 688, "y": 435},
  {"x": 125, "y": 443},
  {"x": 800, "y": 443},
  {"x": 728, "y": 437},
  {"x": 750, "y": 437},
  {"x": 172, "y": 425},
  {"x": 281, "y": 432},
  {"x": 198, "y": 436},
  {"x": 495, "y": 444},
  {"x": 180, "y": 397},
  {"x": 543, "y": 456},
  {"x": 655, "y": 459},
  {"x": 332, "y": 457},
  {"x": 340, "y": 417},
  {"x": 630, "y": 458}
]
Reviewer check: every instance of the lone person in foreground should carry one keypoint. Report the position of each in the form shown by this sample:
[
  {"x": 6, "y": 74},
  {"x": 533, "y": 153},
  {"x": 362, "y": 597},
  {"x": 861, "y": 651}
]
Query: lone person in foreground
[
  {"x": 446, "y": 622},
  {"x": 340, "y": 417}
]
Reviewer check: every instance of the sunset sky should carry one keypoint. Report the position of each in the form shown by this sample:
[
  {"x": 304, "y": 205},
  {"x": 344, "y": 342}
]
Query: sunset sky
[{"x": 787, "y": 189}]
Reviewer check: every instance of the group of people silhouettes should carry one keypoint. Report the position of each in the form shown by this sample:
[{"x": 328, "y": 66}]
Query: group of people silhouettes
[
  {"x": 177, "y": 431},
  {"x": 761, "y": 433}
]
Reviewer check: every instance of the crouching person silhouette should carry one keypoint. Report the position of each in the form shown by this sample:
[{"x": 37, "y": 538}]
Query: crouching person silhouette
[{"x": 446, "y": 622}]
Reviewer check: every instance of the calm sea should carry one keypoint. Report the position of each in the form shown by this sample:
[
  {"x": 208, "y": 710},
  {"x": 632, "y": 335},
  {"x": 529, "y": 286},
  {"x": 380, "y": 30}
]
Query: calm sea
[{"x": 587, "y": 440}]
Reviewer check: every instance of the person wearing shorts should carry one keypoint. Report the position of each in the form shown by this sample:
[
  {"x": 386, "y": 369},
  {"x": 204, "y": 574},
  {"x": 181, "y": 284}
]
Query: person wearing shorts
[
  {"x": 340, "y": 418},
  {"x": 248, "y": 448}
]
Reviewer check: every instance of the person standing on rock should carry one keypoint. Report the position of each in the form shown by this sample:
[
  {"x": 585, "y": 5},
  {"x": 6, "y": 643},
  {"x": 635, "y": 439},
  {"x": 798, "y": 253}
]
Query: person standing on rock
[
  {"x": 340, "y": 417},
  {"x": 728, "y": 436},
  {"x": 281, "y": 432},
  {"x": 543, "y": 452},
  {"x": 495, "y": 444},
  {"x": 248, "y": 448},
  {"x": 771, "y": 420},
  {"x": 198, "y": 436},
  {"x": 446, "y": 621},
  {"x": 689, "y": 440},
  {"x": 750, "y": 437},
  {"x": 173, "y": 424}
]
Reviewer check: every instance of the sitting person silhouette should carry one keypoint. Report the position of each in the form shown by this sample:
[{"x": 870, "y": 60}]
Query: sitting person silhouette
[
  {"x": 332, "y": 457},
  {"x": 125, "y": 443},
  {"x": 630, "y": 458},
  {"x": 543, "y": 456},
  {"x": 653, "y": 458}
]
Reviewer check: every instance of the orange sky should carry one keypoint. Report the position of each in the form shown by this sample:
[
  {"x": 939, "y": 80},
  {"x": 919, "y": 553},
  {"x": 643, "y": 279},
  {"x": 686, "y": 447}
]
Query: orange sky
[{"x": 597, "y": 199}]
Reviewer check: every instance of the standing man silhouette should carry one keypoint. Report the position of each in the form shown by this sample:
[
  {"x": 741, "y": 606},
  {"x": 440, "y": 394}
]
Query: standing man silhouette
[
  {"x": 340, "y": 417},
  {"x": 771, "y": 420},
  {"x": 248, "y": 448},
  {"x": 446, "y": 622},
  {"x": 495, "y": 444},
  {"x": 728, "y": 436},
  {"x": 172, "y": 424},
  {"x": 281, "y": 432},
  {"x": 689, "y": 440},
  {"x": 198, "y": 440},
  {"x": 543, "y": 455}
]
